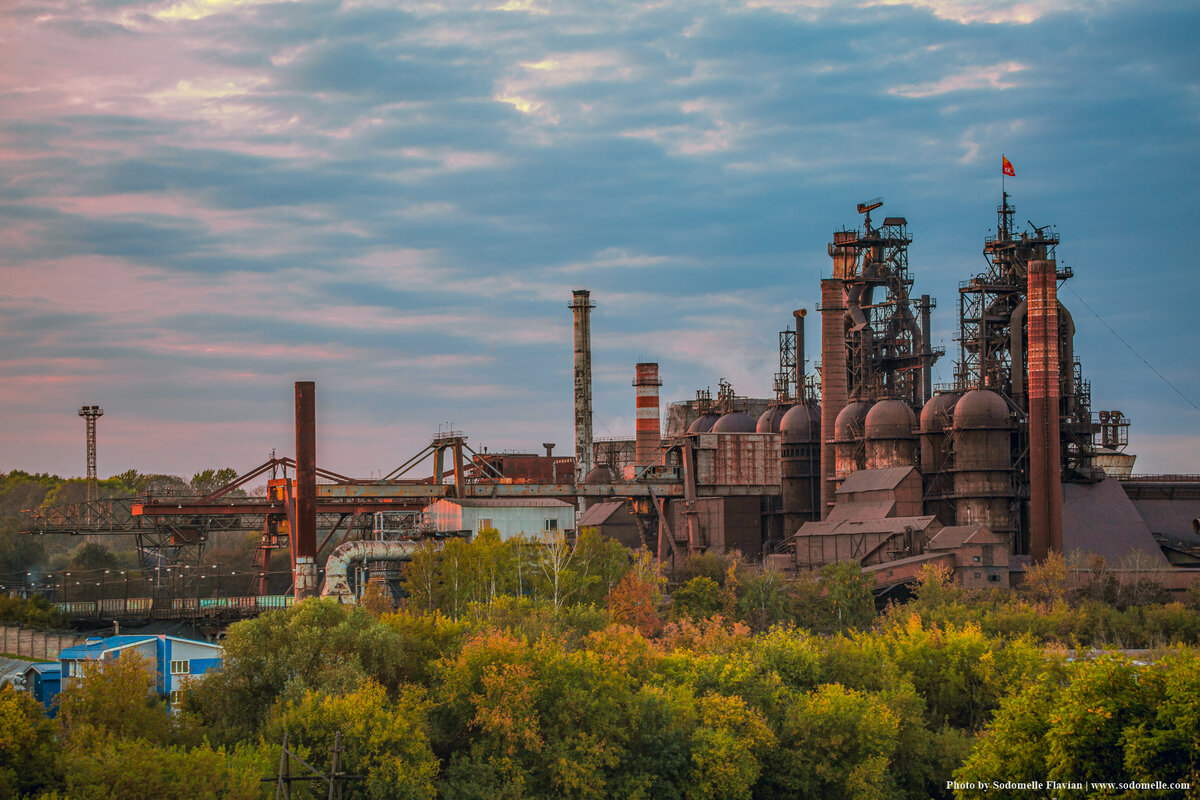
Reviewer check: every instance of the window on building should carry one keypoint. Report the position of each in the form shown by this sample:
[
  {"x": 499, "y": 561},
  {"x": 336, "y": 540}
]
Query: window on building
[
  {"x": 486, "y": 524},
  {"x": 974, "y": 558},
  {"x": 180, "y": 667},
  {"x": 978, "y": 575},
  {"x": 994, "y": 578},
  {"x": 551, "y": 524},
  {"x": 175, "y": 697}
]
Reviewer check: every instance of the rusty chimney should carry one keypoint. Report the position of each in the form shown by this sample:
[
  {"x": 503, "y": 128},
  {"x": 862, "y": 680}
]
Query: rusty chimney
[
  {"x": 1045, "y": 454},
  {"x": 834, "y": 376},
  {"x": 649, "y": 433},
  {"x": 799, "y": 314},
  {"x": 582, "y": 308},
  {"x": 305, "y": 544},
  {"x": 549, "y": 449}
]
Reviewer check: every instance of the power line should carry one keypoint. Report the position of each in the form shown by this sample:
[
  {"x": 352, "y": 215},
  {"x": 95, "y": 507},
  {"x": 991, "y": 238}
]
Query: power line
[{"x": 1186, "y": 399}]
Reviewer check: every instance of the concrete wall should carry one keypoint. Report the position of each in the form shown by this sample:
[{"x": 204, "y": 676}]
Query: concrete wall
[{"x": 35, "y": 644}]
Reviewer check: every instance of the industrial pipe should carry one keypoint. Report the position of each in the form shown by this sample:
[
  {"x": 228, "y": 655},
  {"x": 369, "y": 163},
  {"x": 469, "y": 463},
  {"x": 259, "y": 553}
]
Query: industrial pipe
[{"x": 344, "y": 556}]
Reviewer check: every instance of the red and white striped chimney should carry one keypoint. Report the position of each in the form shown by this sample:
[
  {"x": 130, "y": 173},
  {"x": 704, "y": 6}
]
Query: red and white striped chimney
[{"x": 648, "y": 444}]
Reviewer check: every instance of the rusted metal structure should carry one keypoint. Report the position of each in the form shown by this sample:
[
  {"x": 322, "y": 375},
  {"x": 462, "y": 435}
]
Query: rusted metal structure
[
  {"x": 581, "y": 308},
  {"x": 90, "y": 414},
  {"x": 304, "y": 520},
  {"x": 872, "y": 346},
  {"x": 984, "y": 492}
]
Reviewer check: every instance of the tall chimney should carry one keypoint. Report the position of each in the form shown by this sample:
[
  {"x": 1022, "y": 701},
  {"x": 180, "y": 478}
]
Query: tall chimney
[
  {"x": 649, "y": 433},
  {"x": 925, "y": 305},
  {"x": 799, "y": 314},
  {"x": 305, "y": 569},
  {"x": 582, "y": 308},
  {"x": 1045, "y": 455},
  {"x": 834, "y": 379}
]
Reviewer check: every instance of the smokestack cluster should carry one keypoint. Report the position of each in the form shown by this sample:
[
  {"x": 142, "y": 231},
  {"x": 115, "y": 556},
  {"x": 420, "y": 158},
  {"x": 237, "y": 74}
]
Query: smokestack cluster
[
  {"x": 649, "y": 431},
  {"x": 1045, "y": 456},
  {"x": 582, "y": 308}
]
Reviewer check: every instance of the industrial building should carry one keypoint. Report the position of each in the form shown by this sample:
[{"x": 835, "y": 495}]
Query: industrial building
[
  {"x": 173, "y": 659},
  {"x": 860, "y": 458}
]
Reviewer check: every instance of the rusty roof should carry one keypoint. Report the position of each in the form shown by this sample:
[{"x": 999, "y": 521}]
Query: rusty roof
[
  {"x": 955, "y": 536},
  {"x": 874, "y": 480},
  {"x": 599, "y": 513}
]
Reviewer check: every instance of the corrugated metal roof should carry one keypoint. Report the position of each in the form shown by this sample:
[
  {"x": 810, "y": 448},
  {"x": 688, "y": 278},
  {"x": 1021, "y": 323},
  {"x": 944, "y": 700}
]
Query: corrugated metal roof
[
  {"x": 95, "y": 648},
  {"x": 861, "y": 510},
  {"x": 599, "y": 513},
  {"x": 508, "y": 502},
  {"x": 954, "y": 536},
  {"x": 885, "y": 525},
  {"x": 874, "y": 480},
  {"x": 1100, "y": 519}
]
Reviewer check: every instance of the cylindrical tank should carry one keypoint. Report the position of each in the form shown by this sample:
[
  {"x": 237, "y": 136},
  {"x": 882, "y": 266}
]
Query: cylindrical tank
[
  {"x": 703, "y": 423},
  {"x": 983, "y": 464},
  {"x": 770, "y": 419},
  {"x": 735, "y": 422},
  {"x": 890, "y": 430},
  {"x": 936, "y": 418},
  {"x": 800, "y": 467},
  {"x": 600, "y": 475},
  {"x": 848, "y": 450}
]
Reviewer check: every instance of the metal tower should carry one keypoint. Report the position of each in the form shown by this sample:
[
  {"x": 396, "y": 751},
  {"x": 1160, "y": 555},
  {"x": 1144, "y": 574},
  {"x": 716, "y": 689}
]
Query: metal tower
[{"x": 91, "y": 413}]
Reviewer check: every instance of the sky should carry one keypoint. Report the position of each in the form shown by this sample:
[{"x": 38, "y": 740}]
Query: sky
[{"x": 203, "y": 201}]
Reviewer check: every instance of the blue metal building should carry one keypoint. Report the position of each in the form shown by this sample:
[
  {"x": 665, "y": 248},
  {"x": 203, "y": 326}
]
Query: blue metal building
[{"x": 174, "y": 659}]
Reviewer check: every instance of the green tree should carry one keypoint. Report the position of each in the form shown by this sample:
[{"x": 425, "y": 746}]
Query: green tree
[
  {"x": 114, "y": 699},
  {"x": 699, "y": 598},
  {"x": 849, "y": 603},
  {"x": 385, "y": 738},
  {"x": 28, "y": 752}
]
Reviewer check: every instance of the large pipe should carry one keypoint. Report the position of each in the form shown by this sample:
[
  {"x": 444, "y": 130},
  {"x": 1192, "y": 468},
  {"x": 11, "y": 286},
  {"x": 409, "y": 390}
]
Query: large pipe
[
  {"x": 1045, "y": 454},
  {"x": 344, "y": 556},
  {"x": 582, "y": 308},
  {"x": 648, "y": 441},
  {"x": 834, "y": 378},
  {"x": 305, "y": 568}
]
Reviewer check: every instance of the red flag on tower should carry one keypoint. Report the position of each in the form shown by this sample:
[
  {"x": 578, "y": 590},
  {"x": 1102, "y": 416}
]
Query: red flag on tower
[{"x": 1007, "y": 167}]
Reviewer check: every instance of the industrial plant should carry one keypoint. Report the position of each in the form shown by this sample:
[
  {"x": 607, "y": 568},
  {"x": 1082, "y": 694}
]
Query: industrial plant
[{"x": 859, "y": 457}]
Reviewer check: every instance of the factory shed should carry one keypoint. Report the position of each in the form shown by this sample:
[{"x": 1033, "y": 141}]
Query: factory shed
[
  {"x": 1100, "y": 519},
  {"x": 867, "y": 541},
  {"x": 873, "y": 493},
  {"x": 173, "y": 659},
  {"x": 43, "y": 681},
  {"x": 980, "y": 556},
  {"x": 510, "y": 516},
  {"x": 612, "y": 520}
]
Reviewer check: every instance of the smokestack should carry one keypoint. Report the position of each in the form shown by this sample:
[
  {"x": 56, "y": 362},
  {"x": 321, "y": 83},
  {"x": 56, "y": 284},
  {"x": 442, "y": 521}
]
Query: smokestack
[
  {"x": 1045, "y": 454},
  {"x": 925, "y": 306},
  {"x": 834, "y": 378},
  {"x": 582, "y": 308},
  {"x": 649, "y": 432},
  {"x": 799, "y": 314},
  {"x": 305, "y": 547}
]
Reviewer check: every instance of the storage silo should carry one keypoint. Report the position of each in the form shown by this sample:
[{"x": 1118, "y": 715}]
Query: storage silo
[
  {"x": 983, "y": 468},
  {"x": 890, "y": 432}
]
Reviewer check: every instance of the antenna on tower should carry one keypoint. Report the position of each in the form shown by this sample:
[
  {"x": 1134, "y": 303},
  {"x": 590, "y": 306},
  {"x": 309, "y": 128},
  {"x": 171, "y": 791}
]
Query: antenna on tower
[{"x": 91, "y": 414}]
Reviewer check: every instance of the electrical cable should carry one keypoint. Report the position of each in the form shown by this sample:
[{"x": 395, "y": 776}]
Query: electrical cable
[{"x": 1187, "y": 399}]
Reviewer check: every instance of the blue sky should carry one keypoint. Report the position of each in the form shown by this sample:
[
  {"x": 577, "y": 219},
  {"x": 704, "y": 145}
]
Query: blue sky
[{"x": 202, "y": 201}]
